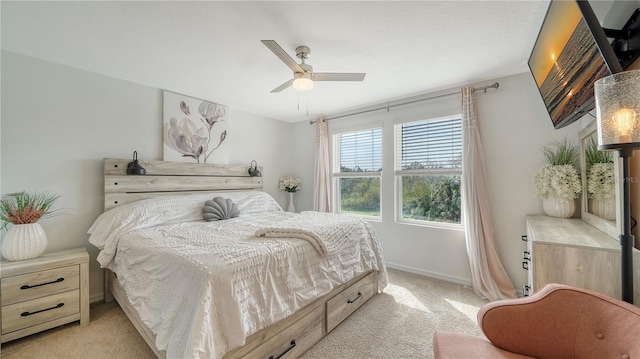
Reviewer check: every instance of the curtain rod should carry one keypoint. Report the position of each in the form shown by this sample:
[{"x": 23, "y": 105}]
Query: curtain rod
[{"x": 495, "y": 85}]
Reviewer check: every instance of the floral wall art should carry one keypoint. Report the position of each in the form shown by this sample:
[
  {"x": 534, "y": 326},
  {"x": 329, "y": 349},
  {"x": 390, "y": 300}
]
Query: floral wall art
[{"x": 194, "y": 130}]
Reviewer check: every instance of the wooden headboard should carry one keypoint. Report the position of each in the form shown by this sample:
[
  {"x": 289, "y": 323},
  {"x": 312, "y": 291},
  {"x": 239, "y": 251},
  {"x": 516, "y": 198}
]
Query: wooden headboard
[{"x": 165, "y": 178}]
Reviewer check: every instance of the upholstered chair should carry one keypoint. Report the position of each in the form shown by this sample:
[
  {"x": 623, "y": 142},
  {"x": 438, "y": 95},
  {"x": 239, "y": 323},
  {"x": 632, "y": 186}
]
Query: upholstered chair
[{"x": 557, "y": 322}]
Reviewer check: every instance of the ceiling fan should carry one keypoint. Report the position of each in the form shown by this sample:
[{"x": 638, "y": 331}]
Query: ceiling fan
[{"x": 303, "y": 75}]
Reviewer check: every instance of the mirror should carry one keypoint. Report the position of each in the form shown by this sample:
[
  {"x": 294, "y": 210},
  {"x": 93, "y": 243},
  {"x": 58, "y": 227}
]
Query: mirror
[{"x": 600, "y": 202}]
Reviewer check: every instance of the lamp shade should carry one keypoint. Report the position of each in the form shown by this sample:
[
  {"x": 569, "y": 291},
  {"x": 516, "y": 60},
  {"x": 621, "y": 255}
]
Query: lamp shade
[
  {"x": 618, "y": 109},
  {"x": 302, "y": 82}
]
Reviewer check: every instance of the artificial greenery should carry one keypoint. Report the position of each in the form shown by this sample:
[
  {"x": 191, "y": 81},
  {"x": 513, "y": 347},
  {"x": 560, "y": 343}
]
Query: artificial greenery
[
  {"x": 24, "y": 208},
  {"x": 592, "y": 155},
  {"x": 561, "y": 153},
  {"x": 600, "y": 172},
  {"x": 559, "y": 178}
]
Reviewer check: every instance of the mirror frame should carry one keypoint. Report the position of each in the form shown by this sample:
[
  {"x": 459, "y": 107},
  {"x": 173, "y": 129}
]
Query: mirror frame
[{"x": 611, "y": 229}]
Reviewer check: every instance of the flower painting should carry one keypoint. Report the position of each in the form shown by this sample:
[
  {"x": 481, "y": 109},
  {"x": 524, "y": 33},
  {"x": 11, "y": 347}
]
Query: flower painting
[{"x": 194, "y": 130}]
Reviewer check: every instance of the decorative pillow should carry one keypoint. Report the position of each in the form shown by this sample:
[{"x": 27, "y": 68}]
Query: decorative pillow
[{"x": 219, "y": 208}]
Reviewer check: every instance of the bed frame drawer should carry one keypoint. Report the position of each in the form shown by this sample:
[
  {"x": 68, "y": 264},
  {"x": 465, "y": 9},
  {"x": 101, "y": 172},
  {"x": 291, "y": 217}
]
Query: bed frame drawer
[
  {"x": 39, "y": 284},
  {"x": 347, "y": 301},
  {"x": 294, "y": 340}
]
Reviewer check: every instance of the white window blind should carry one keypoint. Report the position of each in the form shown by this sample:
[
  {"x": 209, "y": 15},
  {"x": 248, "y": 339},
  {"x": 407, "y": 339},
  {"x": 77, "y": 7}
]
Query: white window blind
[
  {"x": 359, "y": 151},
  {"x": 429, "y": 146}
]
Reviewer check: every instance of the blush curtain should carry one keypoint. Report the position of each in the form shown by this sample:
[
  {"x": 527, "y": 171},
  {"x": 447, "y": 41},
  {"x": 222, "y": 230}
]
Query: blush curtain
[
  {"x": 488, "y": 277},
  {"x": 322, "y": 190}
]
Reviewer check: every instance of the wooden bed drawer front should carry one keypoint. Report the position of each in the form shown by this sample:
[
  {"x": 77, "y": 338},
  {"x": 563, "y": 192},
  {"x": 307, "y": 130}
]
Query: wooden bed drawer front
[
  {"x": 25, "y": 314},
  {"x": 347, "y": 301},
  {"x": 294, "y": 340},
  {"x": 39, "y": 284}
]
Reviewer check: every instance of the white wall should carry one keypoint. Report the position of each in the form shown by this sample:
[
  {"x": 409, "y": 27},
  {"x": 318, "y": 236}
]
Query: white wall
[
  {"x": 514, "y": 127},
  {"x": 58, "y": 123}
]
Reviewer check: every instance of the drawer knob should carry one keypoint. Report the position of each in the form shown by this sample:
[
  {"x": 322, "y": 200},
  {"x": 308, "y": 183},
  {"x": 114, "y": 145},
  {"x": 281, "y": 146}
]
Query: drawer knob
[
  {"x": 26, "y": 314},
  {"x": 26, "y": 286},
  {"x": 293, "y": 344},
  {"x": 356, "y": 298}
]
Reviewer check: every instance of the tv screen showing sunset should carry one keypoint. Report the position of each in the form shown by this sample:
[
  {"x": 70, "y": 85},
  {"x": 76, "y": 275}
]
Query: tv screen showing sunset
[{"x": 566, "y": 61}]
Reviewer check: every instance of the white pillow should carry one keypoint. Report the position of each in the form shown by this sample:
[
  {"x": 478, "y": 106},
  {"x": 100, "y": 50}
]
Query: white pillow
[{"x": 252, "y": 201}]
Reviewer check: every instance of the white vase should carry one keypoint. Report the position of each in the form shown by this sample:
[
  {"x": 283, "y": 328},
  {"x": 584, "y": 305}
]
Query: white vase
[
  {"x": 557, "y": 207},
  {"x": 291, "y": 207},
  {"x": 24, "y": 241},
  {"x": 603, "y": 208}
]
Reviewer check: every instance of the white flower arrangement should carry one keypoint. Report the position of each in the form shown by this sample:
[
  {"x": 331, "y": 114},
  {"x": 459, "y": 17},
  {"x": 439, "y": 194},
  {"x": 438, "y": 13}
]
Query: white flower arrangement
[
  {"x": 290, "y": 184},
  {"x": 561, "y": 181},
  {"x": 601, "y": 181},
  {"x": 559, "y": 178}
]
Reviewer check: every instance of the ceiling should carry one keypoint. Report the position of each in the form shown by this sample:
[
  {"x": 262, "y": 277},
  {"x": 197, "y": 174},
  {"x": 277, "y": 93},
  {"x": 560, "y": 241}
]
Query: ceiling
[{"x": 212, "y": 50}]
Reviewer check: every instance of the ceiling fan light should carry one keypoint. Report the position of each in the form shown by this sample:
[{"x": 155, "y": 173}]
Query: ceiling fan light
[{"x": 302, "y": 82}]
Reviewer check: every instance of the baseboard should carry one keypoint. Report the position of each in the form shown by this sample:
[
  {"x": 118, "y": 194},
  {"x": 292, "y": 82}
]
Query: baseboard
[
  {"x": 98, "y": 297},
  {"x": 449, "y": 278}
]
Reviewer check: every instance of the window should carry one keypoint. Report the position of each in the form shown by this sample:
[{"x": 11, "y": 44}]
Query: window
[
  {"x": 357, "y": 165},
  {"x": 428, "y": 170}
]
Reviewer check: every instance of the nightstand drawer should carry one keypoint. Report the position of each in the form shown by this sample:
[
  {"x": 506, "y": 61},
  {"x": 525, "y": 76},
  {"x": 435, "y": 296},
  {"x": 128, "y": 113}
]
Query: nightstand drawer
[
  {"x": 39, "y": 284},
  {"x": 25, "y": 314}
]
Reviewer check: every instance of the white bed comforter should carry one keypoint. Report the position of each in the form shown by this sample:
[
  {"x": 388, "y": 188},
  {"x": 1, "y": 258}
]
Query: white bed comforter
[{"x": 204, "y": 287}]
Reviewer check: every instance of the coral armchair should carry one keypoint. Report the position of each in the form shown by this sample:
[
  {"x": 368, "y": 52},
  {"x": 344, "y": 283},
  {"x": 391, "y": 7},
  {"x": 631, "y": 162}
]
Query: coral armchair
[{"x": 558, "y": 322}]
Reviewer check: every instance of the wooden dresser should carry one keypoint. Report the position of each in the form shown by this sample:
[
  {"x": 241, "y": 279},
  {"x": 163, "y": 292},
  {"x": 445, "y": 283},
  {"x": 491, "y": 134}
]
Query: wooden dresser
[
  {"x": 571, "y": 251},
  {"x": 44, "y": 292}
]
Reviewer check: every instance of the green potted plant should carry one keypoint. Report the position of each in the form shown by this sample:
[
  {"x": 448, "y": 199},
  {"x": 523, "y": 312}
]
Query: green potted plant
[
  {"x": 558, "y": 182},
  {"x": 25, "y": 239},
  {"x": 601, "y": 182}
]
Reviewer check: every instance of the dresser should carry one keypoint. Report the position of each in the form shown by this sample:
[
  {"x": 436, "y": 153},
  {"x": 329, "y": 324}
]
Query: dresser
[
  {"x": 572, "y": 252},
  {"x": 44, "y": 292}
]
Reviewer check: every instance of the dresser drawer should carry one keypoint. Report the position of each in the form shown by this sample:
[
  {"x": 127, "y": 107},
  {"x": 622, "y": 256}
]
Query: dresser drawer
[
  {"x": 25, "y": 314},
  {"x": 347, "y": 301},
  {"x": 39, "y": 284},
  {"x": 294, "y": 340}
]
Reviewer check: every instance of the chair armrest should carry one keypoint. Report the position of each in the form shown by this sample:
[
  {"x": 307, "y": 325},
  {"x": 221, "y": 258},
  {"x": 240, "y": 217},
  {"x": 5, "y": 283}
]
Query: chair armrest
[{"x": 542, "y": 325}]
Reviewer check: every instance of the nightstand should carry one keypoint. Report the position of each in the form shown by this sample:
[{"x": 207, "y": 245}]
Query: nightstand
[{"x": 44, "y": 292}]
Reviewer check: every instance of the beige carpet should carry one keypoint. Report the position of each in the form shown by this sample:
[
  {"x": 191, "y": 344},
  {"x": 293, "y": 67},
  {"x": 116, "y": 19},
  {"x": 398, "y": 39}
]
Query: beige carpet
[{"x": 398, "y": 323}]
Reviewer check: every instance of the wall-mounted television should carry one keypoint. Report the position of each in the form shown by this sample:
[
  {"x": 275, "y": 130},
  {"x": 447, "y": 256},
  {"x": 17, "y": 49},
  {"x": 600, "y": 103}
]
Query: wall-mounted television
[{"x": 569, "y": 55}]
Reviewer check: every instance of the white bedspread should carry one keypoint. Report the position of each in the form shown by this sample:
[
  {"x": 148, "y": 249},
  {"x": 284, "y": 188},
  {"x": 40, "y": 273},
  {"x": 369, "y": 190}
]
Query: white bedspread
[
  {"x": 204, "y": 287},
  {"x": 327, "y": 232}
]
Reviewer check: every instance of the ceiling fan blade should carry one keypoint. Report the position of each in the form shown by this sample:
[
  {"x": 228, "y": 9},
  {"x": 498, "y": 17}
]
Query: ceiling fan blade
[
  {"x": 276, "y": 49},
  {"x": 337, "y": 76},
  {"x": 283, "y": 86}
]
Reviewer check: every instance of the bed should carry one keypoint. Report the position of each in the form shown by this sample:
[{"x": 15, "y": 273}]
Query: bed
[{"x": 198, "y": 289}]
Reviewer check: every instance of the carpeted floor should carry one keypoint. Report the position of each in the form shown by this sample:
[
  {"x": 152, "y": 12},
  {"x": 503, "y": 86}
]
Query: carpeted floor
[{"x": 398, "y": 323}]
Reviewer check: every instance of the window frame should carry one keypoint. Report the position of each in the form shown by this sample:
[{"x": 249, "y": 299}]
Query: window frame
[
  {"x": 398, "y": 174},
  {"x": 336, "y": 175}
]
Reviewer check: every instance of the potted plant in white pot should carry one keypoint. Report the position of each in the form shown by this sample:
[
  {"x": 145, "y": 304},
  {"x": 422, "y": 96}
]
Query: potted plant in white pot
[
  {"x": 558, "y": 182},
  {"x": 601, "y": 182},
  {"x": 25, "y": 238}
]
